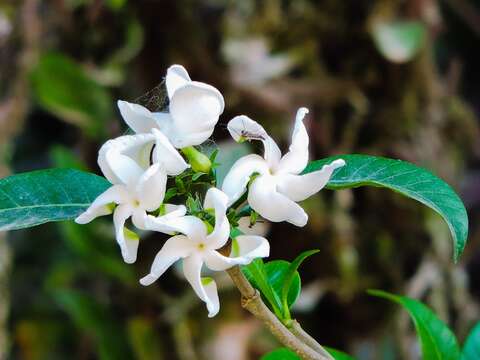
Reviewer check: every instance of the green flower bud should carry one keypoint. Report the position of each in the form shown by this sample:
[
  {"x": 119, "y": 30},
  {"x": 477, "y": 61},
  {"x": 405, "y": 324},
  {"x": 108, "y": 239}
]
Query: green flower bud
[{"x": 199, "y": 162}]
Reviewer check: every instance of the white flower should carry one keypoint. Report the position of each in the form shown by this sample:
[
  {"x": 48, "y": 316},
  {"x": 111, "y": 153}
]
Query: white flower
[
  {"x": 194, "y": 110},
  {"x": 278, "y": 187},
  {"x": 197, "y": 247},
  {"x": 137, "y": 188}
]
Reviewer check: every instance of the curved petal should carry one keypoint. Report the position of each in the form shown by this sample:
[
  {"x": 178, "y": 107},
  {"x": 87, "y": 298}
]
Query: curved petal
[
  {"x": 245, "y": 248},
  {"x": 167, "y": 156},
  {"x": 161, "y": 223},
  {"x": 235, "y": 183},
  {"x": 151, "y": 188},
  {"x": 243, "y": 128},
  {"x": 272, "y": 152},
  {"x": 218, "y": 200},
  {"x": 123, "y": 160},
  {"x": 301, "y": 187},
  {"x": 296, "y": 159},
  {"x": 174, "y": 249},
  {"x": 264, "y": 198},
  {"x": 177, "y": 76},
  {"x": 195, "y": 108},
  {"x": 192, "y": 268},
  {"x": 127, "y": 239},
  {"x": 191, "y": 226},
  {"x": 211, "y": 291},
  {"x": 116, "y": 194},
  {"x": 137, "y": 117},
  {"x": 139, "y": 218}
]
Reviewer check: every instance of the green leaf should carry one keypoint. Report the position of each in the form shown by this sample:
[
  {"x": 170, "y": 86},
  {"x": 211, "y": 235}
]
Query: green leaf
[
  {"x": 144, "y": 338},
  {"x": 42, "y": 196},
  {"x": 288, "y": 281},
  {"x": 64, "y": 88},
  {"x": 471, "y": 348},
  {"x": 399, "y": 41},
  {"x": 96, "y": 321},
  {"x": 256, "y": 273},
  {"x": 337, "y": 354},
  {"x": 269, "y": 279},
  {"x": 406, "y": 179},
  {"x": 281, "y": 354},
  {"x": 436, "y": 339}
]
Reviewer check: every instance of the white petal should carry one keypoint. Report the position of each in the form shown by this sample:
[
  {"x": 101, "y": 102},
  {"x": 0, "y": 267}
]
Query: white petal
[
  {"x": 175, "y": 248},
  {"x": 296, "y": 159},
  {"x": 212, "y": 295},
  {"x": 151, "y": 188},
  {"x": 161, "y": 223},
  {"x": 243, "y": 128},
  {"x": 123, "y": 160},
  {"x": 195, "y": 108},
  {"x": 264, "y": 198},
  {"x": 301, "y": 187},
  {"x": 192, "y": 268},
  {"x": 272, "y": 152},
  {"x": 128, "y": 244},
  {"x": 137, "y": 117},
  {"x": 191, "y": 226},
  {"x": 167, "y": 156},
  {"x": 177, "y": 76},
  {"x": 116, "y": 194},
  {"x": 245, "y": 248},
  {"x": 139, "y": 218},
  {"x": 235, "y": 183},
  {"x": 217, "y": 199}
]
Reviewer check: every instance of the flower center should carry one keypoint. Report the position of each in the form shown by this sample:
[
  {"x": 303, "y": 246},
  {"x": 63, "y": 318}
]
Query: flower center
[
  {"x": 136, "y": 203},
  {"x": 201, "y": 246}
]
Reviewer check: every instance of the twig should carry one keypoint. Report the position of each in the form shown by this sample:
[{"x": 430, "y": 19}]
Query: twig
[
  {"x": 298, "y": 331},
  {"x": 252, "y": 301}
]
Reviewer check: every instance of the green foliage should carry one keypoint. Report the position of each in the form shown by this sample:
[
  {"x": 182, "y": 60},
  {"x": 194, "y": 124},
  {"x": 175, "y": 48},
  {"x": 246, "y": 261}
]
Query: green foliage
[
  {"x": 288, "y": 283},
  {"x": 399, "y": 41},
  {"x": 287, "y": 354},
  {"x": 471, "y": 348},
  {"x": 338, "y": 355},
  {"x": 62, "y": 87},
  {"x": 436, "y": 339},
  {"x": 406, "y": 179},
  {"x": 280, "y": 354},
  {"x": 42, "y": 196},
  {"x": 144, "y": 339},
  {"x": 94, "y": 319},
  {"x": 278, "y": 281}
]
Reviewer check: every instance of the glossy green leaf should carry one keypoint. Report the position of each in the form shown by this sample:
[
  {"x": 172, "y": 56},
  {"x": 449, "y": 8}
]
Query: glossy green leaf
[
  {"x": 290, "y": 275},
  {"x": 407, "y": 179},
  {"x": 256, "y": 273},
  {"x": 63, "y": 87},
  {"x": 42, "y": 196},
  {"x": 471, "y": 348},
  {"x": 269, "y": 278},
  {"x": 96, "y": 321},
  {"x": 399, "y": 41},
  {"x": 337, "y": 354},
  {"x": 281, "y": 354},
  {"x": 436, "y": 339}
]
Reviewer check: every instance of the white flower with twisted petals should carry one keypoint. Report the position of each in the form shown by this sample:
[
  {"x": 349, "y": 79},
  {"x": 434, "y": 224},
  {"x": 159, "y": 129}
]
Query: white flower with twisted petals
[
  {"x": 278, "y": 186},
  {"x": 196, "y": 246},
  {"x": 194, "y": 110},
  {"x": 136, "y": 189}
]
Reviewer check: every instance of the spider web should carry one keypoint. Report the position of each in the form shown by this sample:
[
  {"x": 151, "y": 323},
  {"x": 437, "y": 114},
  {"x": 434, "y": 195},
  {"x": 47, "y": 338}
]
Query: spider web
[{"x": 156, "y": 99}]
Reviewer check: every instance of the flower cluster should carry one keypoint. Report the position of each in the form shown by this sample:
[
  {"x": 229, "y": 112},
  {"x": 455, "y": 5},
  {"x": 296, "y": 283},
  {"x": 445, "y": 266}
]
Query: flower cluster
[{"x": 147, "y": 171}]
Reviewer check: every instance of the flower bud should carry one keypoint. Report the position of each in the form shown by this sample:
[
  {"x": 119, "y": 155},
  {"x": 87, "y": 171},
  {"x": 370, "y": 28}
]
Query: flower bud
[{"x": 199, "y": 162}]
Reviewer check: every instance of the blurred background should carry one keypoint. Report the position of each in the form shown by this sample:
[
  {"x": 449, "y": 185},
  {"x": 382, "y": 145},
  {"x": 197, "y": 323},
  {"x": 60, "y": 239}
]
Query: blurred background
[{"x": 394, "y": 78}]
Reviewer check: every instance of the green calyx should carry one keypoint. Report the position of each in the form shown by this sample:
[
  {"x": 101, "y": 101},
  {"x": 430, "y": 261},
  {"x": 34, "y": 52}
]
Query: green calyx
[{"x": 199, "y": 162}]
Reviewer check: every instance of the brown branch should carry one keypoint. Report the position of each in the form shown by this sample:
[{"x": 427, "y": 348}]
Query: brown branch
[
  {"x": 298, "y": 331},
  {"x": 252, "y": 301}
]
